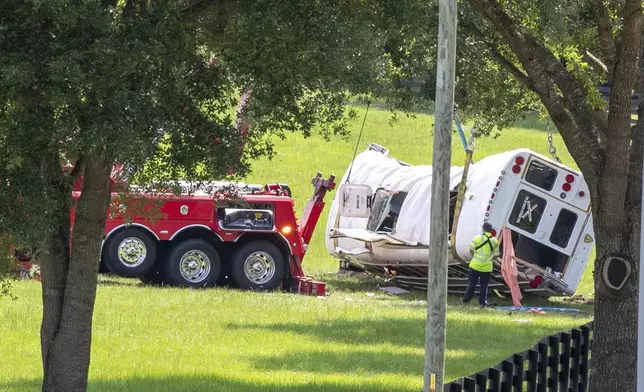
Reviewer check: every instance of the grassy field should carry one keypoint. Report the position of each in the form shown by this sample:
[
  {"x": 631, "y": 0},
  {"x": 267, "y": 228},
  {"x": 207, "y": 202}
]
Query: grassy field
[{"x": 162, "y": 339}]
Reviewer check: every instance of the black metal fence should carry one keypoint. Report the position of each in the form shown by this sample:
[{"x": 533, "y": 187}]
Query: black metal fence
[{"x": 558, "y": 363}]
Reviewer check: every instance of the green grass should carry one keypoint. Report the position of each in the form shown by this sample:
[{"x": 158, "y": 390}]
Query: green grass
[{"x": 161, "y": 339}]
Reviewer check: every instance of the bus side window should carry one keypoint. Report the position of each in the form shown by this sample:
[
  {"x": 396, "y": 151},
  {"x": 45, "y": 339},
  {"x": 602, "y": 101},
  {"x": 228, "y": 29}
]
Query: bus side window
[
  {"x": 563, "y": 228},
  {"x": 541, "y": 175},
  {"x": 395, "y": 205},
  {"x": 386, "y": 208},
  {"x": 379, "y": 205}
]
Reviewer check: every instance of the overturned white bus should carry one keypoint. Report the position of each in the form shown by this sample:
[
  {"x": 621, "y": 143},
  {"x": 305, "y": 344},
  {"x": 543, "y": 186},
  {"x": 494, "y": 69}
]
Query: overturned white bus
[{"x": 383, "y": 227}]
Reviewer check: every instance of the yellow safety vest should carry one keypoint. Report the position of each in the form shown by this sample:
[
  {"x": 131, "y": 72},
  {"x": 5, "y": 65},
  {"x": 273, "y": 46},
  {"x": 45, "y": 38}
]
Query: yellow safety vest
[{"x": 484, "y": 247}]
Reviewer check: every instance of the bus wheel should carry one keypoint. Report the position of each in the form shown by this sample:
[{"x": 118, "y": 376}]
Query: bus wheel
[
  {"x": 258, "y": 265},
  {"x": 130, "y": 253},
  {"x": 192, "y": 263}
]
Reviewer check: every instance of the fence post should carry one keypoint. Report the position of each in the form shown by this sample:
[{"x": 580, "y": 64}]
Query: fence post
[
  {"x": 495, "y": 380},
  {"x": 583, "y": 366},
  {"x": 543, "y": 367},
  {"x": 481, "y": 382},
  {"x": 533, "y": 366},
  {"x": 469, "y": 383},
  {"x": 575, "y": 354},
  {"x": 565, "y": 362},
  {"x": 519, "y": 374},
  {"x": 507, "y": 367},
  {"x": 553, "y": 364}
]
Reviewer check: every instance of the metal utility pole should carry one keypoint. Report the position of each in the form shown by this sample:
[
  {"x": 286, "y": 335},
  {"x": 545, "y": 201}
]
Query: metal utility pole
[
  {"x": 439, "y": 226},
  {"x": 640, "y": 305}
]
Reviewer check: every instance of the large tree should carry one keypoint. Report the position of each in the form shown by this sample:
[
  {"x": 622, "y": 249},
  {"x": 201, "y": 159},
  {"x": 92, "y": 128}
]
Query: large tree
[
  {"x": 153, "y": 85},
  {"x": 560, "y": 52},
  {"x": 92, "y": 84}
]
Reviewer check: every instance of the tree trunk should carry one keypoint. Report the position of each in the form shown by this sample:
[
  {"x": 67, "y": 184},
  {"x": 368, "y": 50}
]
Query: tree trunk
[
  {"x": 614, "y": 352},
  {"x": 54, "y": 265},
  {"x": 611, "y": 165},
  {"x": 68, "y": 356},
  {"x": 616, "y": 213},
  {"x": 55, "y": 257}
]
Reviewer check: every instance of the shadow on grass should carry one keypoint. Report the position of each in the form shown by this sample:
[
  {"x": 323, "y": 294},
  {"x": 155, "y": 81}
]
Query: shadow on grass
[
  {"x": 409, "y": 332},
  {"x": 472, "y": 344},
  {"x": 350, "y": 362},
  {"x": 363, "y": 354},
  {"x": 204, "y": 383},
  {"x": 112, "y": 280},
  {"x": 116, "y": 281}
]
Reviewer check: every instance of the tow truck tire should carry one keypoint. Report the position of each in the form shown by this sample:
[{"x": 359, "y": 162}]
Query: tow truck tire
[
  {"x": 258, "y": 265},
  {"x": 130, "y": 253},
  {"x": 192, "y": 263}
]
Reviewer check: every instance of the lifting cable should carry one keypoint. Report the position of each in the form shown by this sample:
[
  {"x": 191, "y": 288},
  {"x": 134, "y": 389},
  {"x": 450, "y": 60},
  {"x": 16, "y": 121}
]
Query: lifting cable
[{"x": 355, "y": 152}]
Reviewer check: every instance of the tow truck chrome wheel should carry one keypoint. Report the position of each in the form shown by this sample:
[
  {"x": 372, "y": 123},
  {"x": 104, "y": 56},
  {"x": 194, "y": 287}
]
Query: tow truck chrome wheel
[
  {"x": 192, "y": 263},
  {"x": 132, "y": 251},
  {"x": 259, "y": 267},
  {"x": 194, "y": 266}
]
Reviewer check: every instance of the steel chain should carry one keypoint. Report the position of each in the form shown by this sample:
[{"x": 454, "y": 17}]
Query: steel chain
[{"x": 551, "y": 147}]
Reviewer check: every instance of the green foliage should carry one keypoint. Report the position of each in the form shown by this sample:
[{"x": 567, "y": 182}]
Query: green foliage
[
  {"x": 6, "y": 255},
  {"x": 154, "y": 85},
  {"x": 87, "y": 79},
  {"x": 303, "y": 59},
  {"x": 6, "y": 266}
]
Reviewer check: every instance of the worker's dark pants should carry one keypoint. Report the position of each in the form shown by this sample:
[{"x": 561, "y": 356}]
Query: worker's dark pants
[{"x": 473, "y": 277}]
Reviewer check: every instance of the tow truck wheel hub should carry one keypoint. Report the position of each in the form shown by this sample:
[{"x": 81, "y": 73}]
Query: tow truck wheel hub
[
  {"x": 259, "y": 267},
  {"x": 132, "y": 251},
  {"x": 195, "y": 266}
]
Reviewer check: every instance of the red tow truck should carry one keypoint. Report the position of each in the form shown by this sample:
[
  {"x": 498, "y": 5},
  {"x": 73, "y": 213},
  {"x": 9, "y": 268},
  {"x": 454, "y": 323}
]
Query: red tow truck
[{"x": 252, "y": 240}]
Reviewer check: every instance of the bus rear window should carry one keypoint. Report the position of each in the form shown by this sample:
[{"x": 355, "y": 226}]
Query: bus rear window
[
  {"x": 541, "y": 175},
  {"x": 564, "y": 226},
  {"x": 527, "y": 211}
]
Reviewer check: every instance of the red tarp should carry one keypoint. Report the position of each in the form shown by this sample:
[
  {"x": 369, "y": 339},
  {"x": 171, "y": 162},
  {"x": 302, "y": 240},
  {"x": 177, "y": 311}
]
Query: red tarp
[{"x": 509, "y": 267}]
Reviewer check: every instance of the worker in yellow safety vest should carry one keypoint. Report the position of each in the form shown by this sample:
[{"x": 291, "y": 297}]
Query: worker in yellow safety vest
[{"x": 484, "y": 248}]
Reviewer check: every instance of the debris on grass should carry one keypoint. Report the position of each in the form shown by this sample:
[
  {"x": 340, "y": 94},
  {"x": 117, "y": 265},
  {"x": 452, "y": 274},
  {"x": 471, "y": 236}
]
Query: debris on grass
[
  {"x": 578, "y": 299},
  {"x": 394, "y": 290}
]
